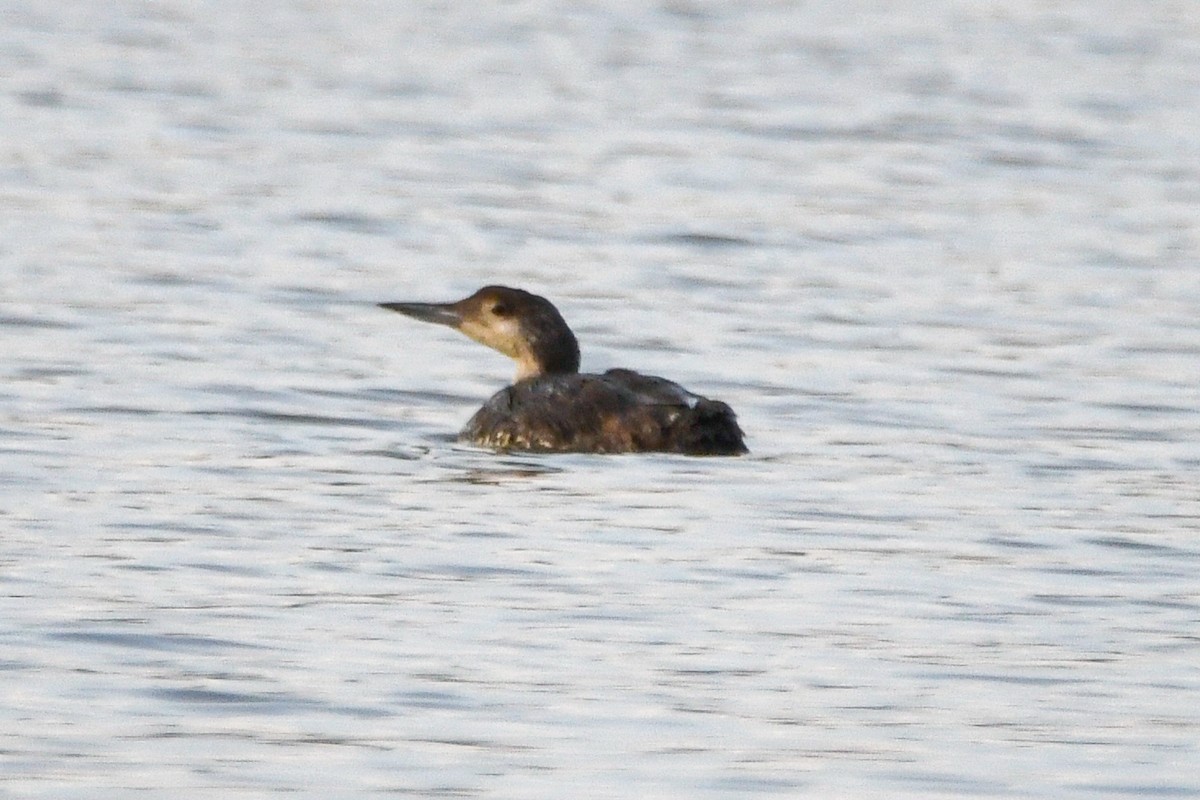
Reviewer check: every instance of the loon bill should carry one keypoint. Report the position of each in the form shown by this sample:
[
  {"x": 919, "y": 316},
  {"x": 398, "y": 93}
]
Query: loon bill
[{"x": 552, "y": 407}]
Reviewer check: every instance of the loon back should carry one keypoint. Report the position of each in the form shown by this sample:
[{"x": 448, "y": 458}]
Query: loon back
[{"x": 620, "y": 411}]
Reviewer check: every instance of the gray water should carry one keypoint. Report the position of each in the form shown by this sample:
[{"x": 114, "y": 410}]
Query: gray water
[{"x": 941, "y": 258}]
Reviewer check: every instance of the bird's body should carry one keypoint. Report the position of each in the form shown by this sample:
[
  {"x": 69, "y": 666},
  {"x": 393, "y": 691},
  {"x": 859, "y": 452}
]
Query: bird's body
[
  {"x": 617, "y": 412},
  {"x": 553, "y": 407}
]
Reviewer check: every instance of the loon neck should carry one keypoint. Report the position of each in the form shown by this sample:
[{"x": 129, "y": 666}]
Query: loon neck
[
  {"x": 538, "y": 356},
  {"x": 527, "y": 369}
]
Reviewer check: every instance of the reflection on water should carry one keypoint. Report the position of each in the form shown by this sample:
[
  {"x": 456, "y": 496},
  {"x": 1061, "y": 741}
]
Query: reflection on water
[
  {"x": 954, "y": 306},
  {"x": 504, "y": 475}
]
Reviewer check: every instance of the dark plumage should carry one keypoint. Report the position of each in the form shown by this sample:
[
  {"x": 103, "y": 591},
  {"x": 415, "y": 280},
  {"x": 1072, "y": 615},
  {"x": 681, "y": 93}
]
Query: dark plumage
[{"x": 552, "y": 407}]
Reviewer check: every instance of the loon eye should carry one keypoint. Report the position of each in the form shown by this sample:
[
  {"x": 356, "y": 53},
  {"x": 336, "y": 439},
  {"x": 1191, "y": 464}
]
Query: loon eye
[{"x": 500, "y": 310}]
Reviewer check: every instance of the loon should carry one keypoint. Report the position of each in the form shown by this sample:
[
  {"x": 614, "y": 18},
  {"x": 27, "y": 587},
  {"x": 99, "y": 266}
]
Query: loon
[{"x": 552, "y": 407}]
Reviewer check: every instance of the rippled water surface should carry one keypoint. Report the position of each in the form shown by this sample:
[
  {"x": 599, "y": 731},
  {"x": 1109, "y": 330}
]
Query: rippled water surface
[{"x": 943, "y": 260}]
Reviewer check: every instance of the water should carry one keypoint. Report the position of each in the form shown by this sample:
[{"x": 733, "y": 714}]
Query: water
[{"x": 941, "y": 260}]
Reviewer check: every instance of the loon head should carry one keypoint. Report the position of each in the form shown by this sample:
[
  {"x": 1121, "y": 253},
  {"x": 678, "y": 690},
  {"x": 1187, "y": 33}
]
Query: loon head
[{"x": 525, "y": 327}]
